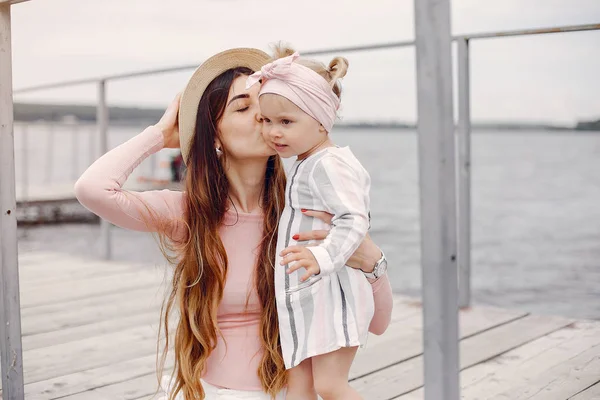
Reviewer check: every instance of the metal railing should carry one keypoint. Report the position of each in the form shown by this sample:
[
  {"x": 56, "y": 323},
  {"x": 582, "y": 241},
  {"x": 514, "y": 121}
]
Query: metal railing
[
  {"x": 438, "y": 306},
  {"x": 75, "y": 132}
]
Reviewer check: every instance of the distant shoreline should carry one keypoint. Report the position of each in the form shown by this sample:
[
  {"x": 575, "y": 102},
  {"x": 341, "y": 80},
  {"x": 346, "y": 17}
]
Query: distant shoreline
[
  {"x": 28, "y": 112},
  {"x": 476, "y": 126}
]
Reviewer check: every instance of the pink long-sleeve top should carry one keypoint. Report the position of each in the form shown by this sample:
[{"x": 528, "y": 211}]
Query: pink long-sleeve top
[{"x": 234, "y": 362}]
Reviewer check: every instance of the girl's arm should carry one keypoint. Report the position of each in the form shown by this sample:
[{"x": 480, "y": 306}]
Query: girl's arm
[{"x": 343, "y": 190}]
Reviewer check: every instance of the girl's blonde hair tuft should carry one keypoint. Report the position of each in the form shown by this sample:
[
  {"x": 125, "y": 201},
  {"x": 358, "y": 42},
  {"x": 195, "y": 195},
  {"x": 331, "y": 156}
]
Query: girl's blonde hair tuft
[{"x": 337, "y": 69}]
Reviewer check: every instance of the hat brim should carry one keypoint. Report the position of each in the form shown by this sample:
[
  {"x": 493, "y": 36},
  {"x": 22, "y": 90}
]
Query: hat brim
[{"x": 202, "y": 77}]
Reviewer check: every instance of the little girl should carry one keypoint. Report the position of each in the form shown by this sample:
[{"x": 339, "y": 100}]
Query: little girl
[{"x": 325, "y": 308}]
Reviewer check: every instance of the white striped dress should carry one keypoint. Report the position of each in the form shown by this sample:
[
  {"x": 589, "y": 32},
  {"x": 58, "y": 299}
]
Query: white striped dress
[{"x": 333, "y": 309}]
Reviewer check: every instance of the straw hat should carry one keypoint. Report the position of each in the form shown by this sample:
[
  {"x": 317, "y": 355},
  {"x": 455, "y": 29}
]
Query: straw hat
[{"x": 202, "y": 77}]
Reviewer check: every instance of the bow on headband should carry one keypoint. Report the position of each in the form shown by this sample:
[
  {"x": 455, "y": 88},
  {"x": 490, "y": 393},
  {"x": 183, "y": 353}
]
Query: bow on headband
[{"x": 300, "y": 85}]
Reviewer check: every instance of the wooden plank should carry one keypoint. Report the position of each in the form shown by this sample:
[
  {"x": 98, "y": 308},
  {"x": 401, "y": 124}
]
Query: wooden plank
[
  {"x": 591, "y": 393},
  {"x": 58, "y": 316},
  {"x": 398, "y": 312},
  {"x": 395, "y": 329},
  {"x": 91, "y": 395},
  {"x": 120, "y": 387},
  {"x": 83, "y": 381},
  {"x": 122, "y": 384},
  {"x": 67, "y": 358},
  {"x": 418, "y": 394},
  {"x": 142, "y": 297},
  {"x": 405, "y": 307},
  {"x": 523, "y": 364},
  {"x": 104, "y": 346},
  {"x": 506, "y": 361},
  {"x": 50, "y": 294},
  {"x": 66, "y": 262},
  {"x": 29, "y": 258},
  {"x": 406, "y": 341},
  {"x": 64, "y": 266},
  {"x": 408, "y": 376},
  {"x": 561, "y": 381},
  {"x": 403, "y": 314},
  {"x": 50, "y": 274},
  {"x": 88, "y": 331},
  {"x": 139, "y": 387}
]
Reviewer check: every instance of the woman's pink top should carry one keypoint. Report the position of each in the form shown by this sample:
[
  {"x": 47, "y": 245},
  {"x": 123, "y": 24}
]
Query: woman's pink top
[{"x": 234, "y": 362}]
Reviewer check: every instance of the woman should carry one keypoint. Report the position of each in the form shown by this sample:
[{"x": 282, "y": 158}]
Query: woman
[{"x": 222, "y": 230}]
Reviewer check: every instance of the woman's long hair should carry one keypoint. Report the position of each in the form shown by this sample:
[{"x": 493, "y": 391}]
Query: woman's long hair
[{"x": 201, "y": 261}]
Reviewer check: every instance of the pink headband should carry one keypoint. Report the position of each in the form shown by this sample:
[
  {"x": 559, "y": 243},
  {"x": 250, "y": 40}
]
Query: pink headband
[{"x": 300, "y": 85}]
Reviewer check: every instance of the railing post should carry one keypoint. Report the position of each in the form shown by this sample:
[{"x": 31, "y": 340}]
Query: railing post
[
  {"x": 437, "y": 192},
  {"x": 24, "y": 172},
  {"x": 75, "y": 155},
  {"x": 11, "y": 350},
  {"x": 464, "y": 174},
  {"x": 50, "y": 152},
  {"x": 92, "y": 143},
  {"x": 25, "y": 164},
  {"x": 102, "y": 122}
]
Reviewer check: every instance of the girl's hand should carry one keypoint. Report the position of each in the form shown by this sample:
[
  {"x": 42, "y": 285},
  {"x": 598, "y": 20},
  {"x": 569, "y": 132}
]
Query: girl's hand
[
  {"x": 169, "y": 125},
  {"x": 364, "y": 258},
  {"x": 301, "y": 257}
]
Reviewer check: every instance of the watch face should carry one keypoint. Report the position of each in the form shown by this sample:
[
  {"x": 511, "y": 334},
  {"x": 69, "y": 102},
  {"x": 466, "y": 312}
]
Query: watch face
[{"x": 381, "y": 268}]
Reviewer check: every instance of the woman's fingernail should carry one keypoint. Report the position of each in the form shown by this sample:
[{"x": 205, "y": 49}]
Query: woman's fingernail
[
  {"x": 303, "y": 209},
  {"x": 296, "y": 237}
]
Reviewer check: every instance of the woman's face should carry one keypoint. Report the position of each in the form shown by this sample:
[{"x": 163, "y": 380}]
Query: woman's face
[{"x": 240, "y": 128}]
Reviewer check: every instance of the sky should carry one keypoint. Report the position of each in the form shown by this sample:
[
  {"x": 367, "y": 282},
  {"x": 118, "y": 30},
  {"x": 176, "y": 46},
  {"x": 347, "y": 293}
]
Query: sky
[{"x": 544, "y": 78}]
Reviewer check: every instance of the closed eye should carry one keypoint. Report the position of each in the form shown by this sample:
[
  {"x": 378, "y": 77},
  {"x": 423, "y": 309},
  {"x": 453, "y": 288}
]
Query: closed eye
[{"x": 243, "y": 109}]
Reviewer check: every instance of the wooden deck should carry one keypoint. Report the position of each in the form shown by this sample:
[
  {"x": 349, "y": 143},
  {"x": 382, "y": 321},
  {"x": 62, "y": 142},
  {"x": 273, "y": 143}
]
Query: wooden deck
[{"x": 90, "y": 333}]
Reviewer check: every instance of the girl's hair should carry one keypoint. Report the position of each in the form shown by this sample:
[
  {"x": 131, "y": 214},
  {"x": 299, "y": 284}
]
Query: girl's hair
[
  {"x": 337, "y": 67},
  {"x": 201, "y": 260}
]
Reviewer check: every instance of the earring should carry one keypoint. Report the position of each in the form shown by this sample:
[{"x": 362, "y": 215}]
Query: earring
[{"x": 219, "y": 151}]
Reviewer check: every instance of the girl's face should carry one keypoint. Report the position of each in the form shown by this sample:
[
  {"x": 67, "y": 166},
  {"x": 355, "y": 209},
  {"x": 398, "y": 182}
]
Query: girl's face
[
  {"x": 289, "y": 130},
  {"x": 240, "y": 128}
]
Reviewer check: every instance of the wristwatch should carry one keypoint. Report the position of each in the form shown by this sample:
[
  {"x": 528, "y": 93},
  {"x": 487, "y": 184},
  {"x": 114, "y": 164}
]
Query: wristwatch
[{"x": 379, "y": 269}]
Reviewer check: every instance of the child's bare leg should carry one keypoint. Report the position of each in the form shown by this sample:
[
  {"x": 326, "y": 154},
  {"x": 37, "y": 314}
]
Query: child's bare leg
[
  {"x": 330, "y": 374},
  {"x": 300, "y": 382}
]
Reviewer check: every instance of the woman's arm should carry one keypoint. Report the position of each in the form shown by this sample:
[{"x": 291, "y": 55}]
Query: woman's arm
[
  {"x": 364, "y": 258},
  {"x": 100, "y": 188}
]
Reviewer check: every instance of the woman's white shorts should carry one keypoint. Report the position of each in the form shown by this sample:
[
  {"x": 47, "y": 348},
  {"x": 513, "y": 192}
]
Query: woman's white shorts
[{"x": 217, "y": 393}]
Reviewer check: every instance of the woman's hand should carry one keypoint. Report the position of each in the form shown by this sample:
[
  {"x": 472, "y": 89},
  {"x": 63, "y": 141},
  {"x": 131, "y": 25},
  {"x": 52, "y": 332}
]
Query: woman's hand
[
  {"x": 169, "y": 125},
  {"x": 364, "y": 258}
]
